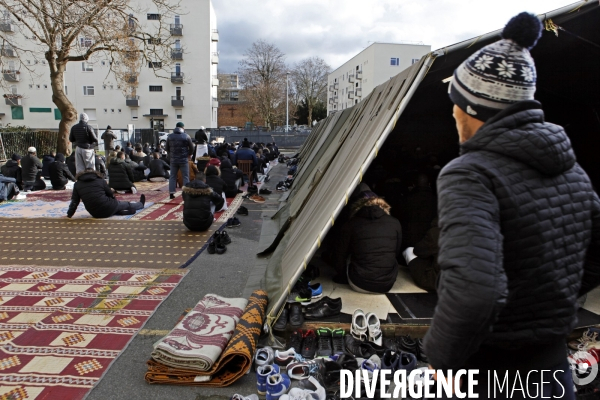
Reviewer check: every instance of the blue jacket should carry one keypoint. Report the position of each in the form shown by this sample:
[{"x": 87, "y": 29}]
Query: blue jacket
[
  {"x": 179, "y": 146},
  {"x": 3, "y": 187},
  {"x": 245, "y": 153}
]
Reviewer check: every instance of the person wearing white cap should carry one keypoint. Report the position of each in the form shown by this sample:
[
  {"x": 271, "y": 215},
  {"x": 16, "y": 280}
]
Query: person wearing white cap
[
  {"x": 30, "y": 166},
  {"x": 83, "y": 137},
  {"x": 200, "y": 136}
]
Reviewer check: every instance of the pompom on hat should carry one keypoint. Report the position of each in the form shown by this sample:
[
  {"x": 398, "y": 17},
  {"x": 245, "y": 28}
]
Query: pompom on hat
[{"x": 500, "y": 74}]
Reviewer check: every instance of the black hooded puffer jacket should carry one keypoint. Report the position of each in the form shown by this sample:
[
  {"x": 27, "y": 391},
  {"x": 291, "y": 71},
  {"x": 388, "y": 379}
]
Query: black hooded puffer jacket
[
  {"x": 97, "y": 197},
  {"x": 120, "y": 177},
  {"x": 197, "y": 198},
  {"x": 373, "y": 240},
  {"x": 230, "y": 176},
  {"x": 517, "y": 216}
]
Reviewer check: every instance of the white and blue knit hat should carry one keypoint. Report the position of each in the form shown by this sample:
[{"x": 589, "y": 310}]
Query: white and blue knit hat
[{"x": 500, "y": 74}]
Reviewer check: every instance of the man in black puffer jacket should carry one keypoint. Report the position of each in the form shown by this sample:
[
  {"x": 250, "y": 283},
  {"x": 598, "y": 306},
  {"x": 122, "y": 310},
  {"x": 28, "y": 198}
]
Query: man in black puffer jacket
[
  {"x": 119, "y": 176},
  {"x": 520, "y": 227},
  {"x": 158, "y": 168},
  {"x": 180, "y": 148},
  {"x": 59, "y": 173},
  {"x": 199, "y": 204},
  {"x": 232, "y": 178},
  {"x": 373, "y": 239},
  {"x": 12, "y": 169},
  {"x": 46, "y": 161},
  {"x": 98, "y": 199}
]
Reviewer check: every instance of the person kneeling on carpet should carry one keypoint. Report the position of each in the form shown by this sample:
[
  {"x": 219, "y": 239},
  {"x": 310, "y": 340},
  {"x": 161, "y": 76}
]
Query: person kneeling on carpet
[
  {"x": 120, "y": 177},
  {"x": 422, "y": 259},
  {"x": 372, "y": 239},
  {"x": 98, "y": 198},
  {"x": 59, "y": 173},
  {"x": 199, "y": 204}
]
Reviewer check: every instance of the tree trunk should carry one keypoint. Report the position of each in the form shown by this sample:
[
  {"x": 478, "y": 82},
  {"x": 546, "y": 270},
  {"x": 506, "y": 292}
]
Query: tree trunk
[
  {"x": 67, "y": 110},
  {"x": 310, "y": 108}
]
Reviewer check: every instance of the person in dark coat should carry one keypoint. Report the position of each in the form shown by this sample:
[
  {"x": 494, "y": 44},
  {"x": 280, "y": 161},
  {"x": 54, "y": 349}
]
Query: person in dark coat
[
  {"x": 128, "y": 149},
  {"x": 419, "y": 208},
  {"x": 519, "y": 226},
  {"x": 46, "y": 161},
  {"x": 84, "y": 139},
  {"x": 231, "y": 177},
  {"x": 372, "y": 239},
  {"x": 158, "y": 168},
  {"x": 200, "y": 136},
  {"x": 30, "y": 166},
  {"x": 213, "y": 179},
  {"x": 98, "y": 199},
  {"x": 100, "y": 166},
  {"x": 109, "y": 138},
  {"x": 422, "y": 259},
  {"x": 138, "y": 170},
  {"x": 120, "y": 177},
  {"x": 39, "y": 183},
  {"x": 8, "y": 188},
  {"x": 59, "y": 173},
  {"x": 199, "y": 204},
  {"x": 12, "y": 169},
  {"x": 180, "y": 148},
  {"x": 71, "y": 164}
]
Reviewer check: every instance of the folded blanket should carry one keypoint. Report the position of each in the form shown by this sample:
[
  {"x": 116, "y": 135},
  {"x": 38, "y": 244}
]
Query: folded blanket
[
  {"x": 236, "y": 359},
  {"x": 199, "y": 339}
]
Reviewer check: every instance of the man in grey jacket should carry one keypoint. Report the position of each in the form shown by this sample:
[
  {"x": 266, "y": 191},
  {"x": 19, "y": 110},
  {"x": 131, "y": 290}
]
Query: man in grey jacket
[
  {"x": 83, "y": 137},
  {"x": 180, "y": 147},
  {"x": 109, "y": 138}
]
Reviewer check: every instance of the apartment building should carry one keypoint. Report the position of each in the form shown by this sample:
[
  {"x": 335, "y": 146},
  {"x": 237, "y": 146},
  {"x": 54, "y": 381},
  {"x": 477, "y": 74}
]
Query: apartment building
[
  {"x": 232, "y": 107},
  {"x": 356, "y": 78},
  {"x": 187, "y": 93}
]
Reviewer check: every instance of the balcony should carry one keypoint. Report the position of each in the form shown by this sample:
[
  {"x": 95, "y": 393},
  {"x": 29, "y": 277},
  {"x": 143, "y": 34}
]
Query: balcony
[
  {"x": 176, "y": 77},
  {"x": 176, "y": 29},
  {"x": 351, "y": 94},
  {"x": 177, "y": 101},
  {"x": 215, "y": 80},
  {"x": 8, "y": 52},
  {"x": 214, "y": 36},
  {"x": 351, "y": 78},
  {"x": 358, "y": 74},
  {"x": 336, "y": 86},
  {"x": 177, "y": 54},
  {"x": 331, "y": 88},
  {"x": 335, "y": 99},
  {"x": 7, "y": 27},
  {"x": 215, "y": 102},
  {"x": 13, "y": 99},
  {"x": 132, "y": 101},
  {"x": 11, "y": 75},
  {"x": 358, "y": 92},
  {"x": 331, "y": 100},
  {"x": 215, "y": 58}
]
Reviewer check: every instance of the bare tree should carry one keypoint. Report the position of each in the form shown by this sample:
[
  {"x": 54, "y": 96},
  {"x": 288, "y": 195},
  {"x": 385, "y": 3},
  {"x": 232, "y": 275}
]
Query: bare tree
[
  {"x": 262, "y": 75},
  {"x": 310, "y": 82},
  {"x": 63, "y": 31}
]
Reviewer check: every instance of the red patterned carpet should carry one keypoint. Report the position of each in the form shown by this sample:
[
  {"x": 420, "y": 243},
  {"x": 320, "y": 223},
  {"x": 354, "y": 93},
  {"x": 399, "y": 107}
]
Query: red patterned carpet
[
  {"x": 173, "y": 210},
  {"x": 60, "y": 328}
]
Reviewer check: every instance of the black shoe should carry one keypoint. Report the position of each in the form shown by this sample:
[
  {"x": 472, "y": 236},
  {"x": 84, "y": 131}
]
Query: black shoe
[
  {"x": 220, "y": 248},
  {"x": 212, "y": 247},
  {"x": 324, "y": 300},
  {"x": 252, "y": 189},
  {"x": 353, "y": 346},
  {"x": 325, "y": 347},
  {"x": 143, "y": 199},
  {"x": 235, "y": 222},
  {"x": 242, "y": 210},
  {"x": 282, "y": 321},
  {"x": 295, "y": 341},
  {"x": 296, "y": 317},
  {"x": 229, "y": 222},
  {"x": 326, "y": 309},
  {"x": 172, "y": 196},
  {"x": 264, "y": 191},
  {"x": 407, "y": 344},
  {"x": 225, "y": 239},
  {"x": 337, "y": 340},
  {"x": 309, "y": 344}
]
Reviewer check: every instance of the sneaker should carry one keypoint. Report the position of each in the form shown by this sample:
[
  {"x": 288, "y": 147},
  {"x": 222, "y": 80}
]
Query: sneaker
[
  {"x": 337, "y": 339},
  {"x": 257, "y": 199},
  {"x": 407, "y": 344},
  {"x": 326, "y": 309},
  {"x": 359, "y": 327},
  {"x": 315, "y": 392},
  {"x": 316, "y": 290},
  {"x": 133, "y": 190},
  {"x": 262, "y": 373},
  {"x": 374, "y": 329},
  {"x": 356, "y": 348},
  {"x": 281, "y": 188},
  {"x": 283, "y": 358},
  {"x": 309, "y": 344},
  {"x": 295, "y": 341},
  {"x": 264, "y": 356},
  {"x": 264, "y": 191},
  {"x": 172, "y": 196},
  {"x": 220, "y": 248},
  {"x": 325, "y": 347},
  {"x": 282, "y": 321},
  {"x": 407, "y": 361},
  {"x": 389, "y": 361},
  {"x": 334, "y": 303},
  {"x": 240, "y": 397},
  {"x": 296, "y": 317},
  {"x": 212, "y": 247},
  {"x": 225, "y": 239},
  {"x": 235, "y": 222},
  {"x": 252, "y": 189},
  {"x": 300, "y": 295},
  {"x": 229, "y": 222},
  {"x": 118, "y": 191},
  {"x": 277, "y": 385},
  {"x": 242, "y": 210},
  {"x": 305, "y": 369}
]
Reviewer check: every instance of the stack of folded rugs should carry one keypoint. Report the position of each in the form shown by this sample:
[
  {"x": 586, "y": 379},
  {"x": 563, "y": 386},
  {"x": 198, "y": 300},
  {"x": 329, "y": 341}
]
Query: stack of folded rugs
[{"x": 213, "y": 345}]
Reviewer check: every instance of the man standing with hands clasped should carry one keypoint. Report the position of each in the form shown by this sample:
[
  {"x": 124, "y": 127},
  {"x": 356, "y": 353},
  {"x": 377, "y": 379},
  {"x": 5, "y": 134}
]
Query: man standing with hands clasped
[
  {"x": 180, "y": 147},
  {"x": 520, "y": 228},
  {"x": 83, "y": 137}
]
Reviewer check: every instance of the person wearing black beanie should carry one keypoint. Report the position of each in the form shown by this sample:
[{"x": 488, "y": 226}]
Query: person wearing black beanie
[
  {"x": 519, "y": 228},
  {"x": 59, "y": 173}
]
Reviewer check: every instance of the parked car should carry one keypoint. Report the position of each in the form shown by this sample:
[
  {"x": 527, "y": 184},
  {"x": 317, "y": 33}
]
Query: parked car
[{"x": 162, "y": 137}]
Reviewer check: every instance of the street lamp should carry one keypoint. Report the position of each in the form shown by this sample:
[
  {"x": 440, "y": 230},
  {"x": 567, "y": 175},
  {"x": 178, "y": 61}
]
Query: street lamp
[{"x": 287, "y": 104}]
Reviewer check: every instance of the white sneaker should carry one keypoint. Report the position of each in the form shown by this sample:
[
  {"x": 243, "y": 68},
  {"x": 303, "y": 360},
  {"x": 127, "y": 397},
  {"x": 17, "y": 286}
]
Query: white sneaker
[
  {"x": 240, "y": 397},
  {"x": 374, "y": 328},
  {"x": 133, "y": 190},
  {"x": 358, "y": 329},
  {"x": 306, "y": 394}
]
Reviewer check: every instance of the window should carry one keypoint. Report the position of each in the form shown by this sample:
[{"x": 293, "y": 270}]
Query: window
[
  {"x": 154, "y": 17},
  {"x": 111, "y": 87},
  {"x": 106, "y": 111},
  {"x": 179, "y": 113},
  {"x": 154, "y": 64},
  {"x": 28, "y": 62},
  {"x": 156, "y": 111},
  {"x": 30, "y": 86},
  {"x": 40, "y": 110},
  {"x": 415, "y": 60},
  {"x": 45, "y": 86},
  {"x": 88, "y": 90},
  {"x": 87, "y": 67},
  {"x": 395, "y": 61},
  {"x": 85, "y": 42},
  {"x": 119, "y": 110},
  {"x": 37, "y": 86},
  {"x": 103, "y": 63},
  {"x": 17, "y": 112},
  {"x": 112, "y": 110},
  {"x": 134, "y": 113},
  {"x": 57, "y": 114},
  {"x": 66, "y": 91},
  {"x": 177, "y": 20},
  {"x": 155, "y": 88},
  {"x": 103, "y": 87},
  {"x": 154, "y": 41},
  {"x": 178, "y": 45},
  {"x": 91, "y": 113}
]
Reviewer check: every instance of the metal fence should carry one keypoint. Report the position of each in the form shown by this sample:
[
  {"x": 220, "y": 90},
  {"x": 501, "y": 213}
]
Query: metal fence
[
  {"x": 19, "y": 142},
  {"x": 282, "y": 139}
]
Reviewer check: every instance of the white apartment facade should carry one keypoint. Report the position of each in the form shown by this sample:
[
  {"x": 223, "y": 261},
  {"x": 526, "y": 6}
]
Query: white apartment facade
[
  {"x": 356, "y": 78},
  {"x": 188, "y": 94}
]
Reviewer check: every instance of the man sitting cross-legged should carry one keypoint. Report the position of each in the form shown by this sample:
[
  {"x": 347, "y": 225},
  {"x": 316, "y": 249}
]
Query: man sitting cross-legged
[{"x": 98, "y": 198}]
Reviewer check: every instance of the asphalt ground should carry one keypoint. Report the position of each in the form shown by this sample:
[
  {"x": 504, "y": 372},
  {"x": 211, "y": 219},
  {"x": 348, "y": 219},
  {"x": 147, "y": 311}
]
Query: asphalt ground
[{"x": 225, "y": 275}]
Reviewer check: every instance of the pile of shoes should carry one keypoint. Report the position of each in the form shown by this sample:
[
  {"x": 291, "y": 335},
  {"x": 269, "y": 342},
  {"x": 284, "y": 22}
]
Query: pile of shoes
[
  {"x": 219, "y": 241},
  {"x": 253, "y": 195}
]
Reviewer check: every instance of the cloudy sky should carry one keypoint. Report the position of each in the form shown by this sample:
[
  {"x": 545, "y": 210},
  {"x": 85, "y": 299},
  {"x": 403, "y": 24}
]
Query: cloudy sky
[{"x": 336, "y": 30}]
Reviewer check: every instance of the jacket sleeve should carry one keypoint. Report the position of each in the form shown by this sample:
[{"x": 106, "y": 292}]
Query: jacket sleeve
[
  {"x": 74, "y": 203},
  {"x": 129, "y": 172},
  {"x": 38, "y": 163},
  {"x": 190, "y": 146},
  {"x": 473, "y": 286},
  {"x": 166, "y": 166},
  {"x": 107, "y": 190},
  {"x": 68, "y": 173},
  {"x": 71, "y": 136},
  {"x": 591, "y": 269},
  {"x": 218, "y": 200},
  {"x": 92, "y": 134}
]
